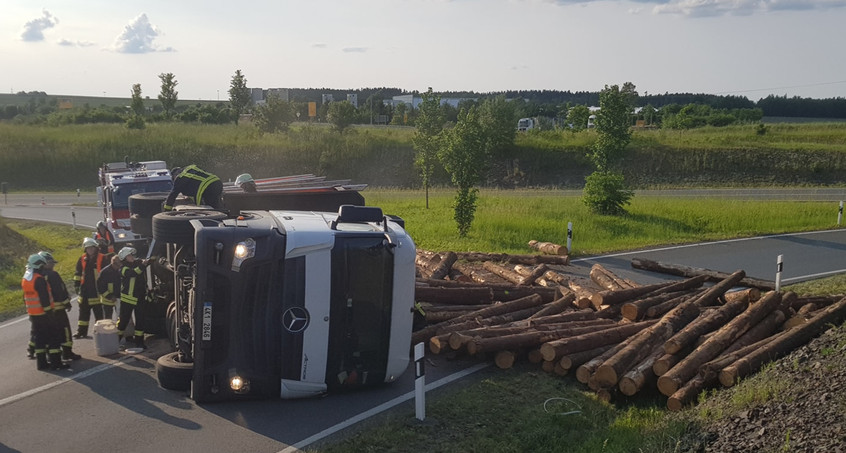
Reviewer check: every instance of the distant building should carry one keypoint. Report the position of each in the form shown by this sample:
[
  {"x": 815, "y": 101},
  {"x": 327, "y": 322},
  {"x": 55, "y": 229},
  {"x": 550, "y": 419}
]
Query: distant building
[
  {"x": 415, "y": 101},
  {"x": 353, "y": 99},
  {"x": 280, "y": 93},
  {"x": 256, "y": 95},
  {"x": 327, "y": 98}
]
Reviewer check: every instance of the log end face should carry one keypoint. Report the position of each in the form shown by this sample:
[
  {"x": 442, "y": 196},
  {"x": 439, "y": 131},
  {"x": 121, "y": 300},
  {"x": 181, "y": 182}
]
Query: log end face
[
  {"x": 627, "y": 386},
  {"x": 667, "y": 385},
  {"x": 582, "y": 374},
  {"x": 606, "y": 376},
  {"x": 728, "y": 376},
  {"x": 548, "y": 352},
  {"x": 674, "y": 404}
]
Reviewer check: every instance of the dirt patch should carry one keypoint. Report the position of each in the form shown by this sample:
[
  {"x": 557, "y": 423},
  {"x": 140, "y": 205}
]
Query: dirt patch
[{"x": 14, "y": 249}]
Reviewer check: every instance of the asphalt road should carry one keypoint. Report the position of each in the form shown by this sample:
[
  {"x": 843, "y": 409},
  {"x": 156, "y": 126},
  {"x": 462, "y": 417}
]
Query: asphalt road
[{"x": 114, "y": 402}]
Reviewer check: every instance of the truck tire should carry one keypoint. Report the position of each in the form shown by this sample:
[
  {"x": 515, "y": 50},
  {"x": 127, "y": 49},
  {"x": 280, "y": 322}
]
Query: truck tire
[
  {"x": 175, "y": 226},
  {"x": 173, "y": 374},
  {"x": 147, "y": 204},
  {"x": 142, "y": 226}
]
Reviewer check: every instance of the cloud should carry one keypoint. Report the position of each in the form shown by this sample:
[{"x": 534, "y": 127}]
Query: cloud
[
  {"x": 709, "y": 8},
  {"x": 34, "y": 29},
  {"x": 138, "y": 36},
  {"x": 354, "y": 49},
  {"x": 319, "y": 45},
  {"x": 69, "y": 43}
]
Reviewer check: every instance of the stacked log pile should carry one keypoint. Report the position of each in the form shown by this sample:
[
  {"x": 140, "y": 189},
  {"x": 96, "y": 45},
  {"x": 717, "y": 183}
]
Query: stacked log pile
[{"x": 679, "y": 337}]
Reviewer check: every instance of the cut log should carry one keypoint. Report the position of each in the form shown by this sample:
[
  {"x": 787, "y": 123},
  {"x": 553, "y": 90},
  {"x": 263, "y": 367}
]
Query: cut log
[
  {"x": 785, "y": 343},
  {"x": 515, "y": 259},
  {"x": 438, "y": 316},
  {"x": 548, "y": 248},
  {"x": 556, "y": 349},
  {"x": 584, "y": 289},
  {"x": 549, "y": 367},
  {"x": 528, "y": 339},
  {"x": 425, "y": 262},
  {"x": 535, "y": 274},
  {"x": 556, "y": 277},
  {"x": 558, "y": 370},
  {"x": 517, "y": 292},
  {"x": 444, "y": 266},
  {"x": 712, "y": 368},
  {"x": 750, "y": 294},
  {"x": 454, "y": 296},
  {"x": 586, "y": 370},
  {"x": 641, "y": 345},
  {"x": 476, "y": 274},
  {"x": 688, "y": 393},
  {"x": 706, "y": 323},
  {"x": 557, "y": 306},
  {"x": 503, "y": 272},
  {"x": 577, "y": 359},
  {"x": 624, "y": 295},
  {"x": 636, "y": 378},
  {"x": 535, "y": 356},
  {"x": 580, "y": 315},
  {"x": 662, "y": 308},
  {"x": 636, "y": 310},
  {"x": 687, "y": 271},
  {"x": 671, "y": 381},
  {"x": 505, "y": 359},
  {"x": 664, "y": 363},
  {"x": 606, "y": 279},
  {"x": 820, "y": 301},
  {"x": 439, "y": 343}
]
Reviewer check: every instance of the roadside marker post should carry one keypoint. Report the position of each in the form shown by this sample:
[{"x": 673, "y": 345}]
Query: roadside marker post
[
  {"x": 779, "y": 268},
  {"x": 840, "y": 213},
  {"x": 569, "y": 237},
  {"x": 73, "y": 214},
  {"x": 419, "y": 382},
  {"x": 42, "y": 202}
]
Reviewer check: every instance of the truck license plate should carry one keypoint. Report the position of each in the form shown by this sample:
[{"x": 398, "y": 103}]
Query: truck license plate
[{"x": 207, "y": 321}]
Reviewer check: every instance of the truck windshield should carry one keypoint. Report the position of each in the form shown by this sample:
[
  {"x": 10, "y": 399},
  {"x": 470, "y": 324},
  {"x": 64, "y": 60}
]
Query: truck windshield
[{"x": 120, "y": 199}]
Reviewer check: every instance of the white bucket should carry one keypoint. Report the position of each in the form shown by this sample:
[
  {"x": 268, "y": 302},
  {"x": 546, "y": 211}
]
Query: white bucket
[{"x": 106, "y": 337}]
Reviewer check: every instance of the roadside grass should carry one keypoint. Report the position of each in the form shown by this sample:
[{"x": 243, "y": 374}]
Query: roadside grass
[
  {"x": 62, "y": 241},
  {"x": 507, "y": 219}
]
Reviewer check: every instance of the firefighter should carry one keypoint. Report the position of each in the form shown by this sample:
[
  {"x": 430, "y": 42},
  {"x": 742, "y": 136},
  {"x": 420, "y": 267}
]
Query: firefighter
[
  {"x": 88, "y": 268},
  {"x": 133, "y": 294},
  {"x": 201, "y": 186},
  {"x": 39, "y": 307},
  {"x": 61, "y": 305},
  {"x": 108, "y": 286},
  {"x": 105, "y": 238},
  {"x": 246, "y": 183}
]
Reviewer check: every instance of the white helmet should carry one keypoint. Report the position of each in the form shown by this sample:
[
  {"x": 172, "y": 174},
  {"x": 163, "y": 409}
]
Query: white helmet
[
  {"x": 242, "y": 178},
  {"x": 126, "y": 251},
  {"x": 89, "y": 242}
]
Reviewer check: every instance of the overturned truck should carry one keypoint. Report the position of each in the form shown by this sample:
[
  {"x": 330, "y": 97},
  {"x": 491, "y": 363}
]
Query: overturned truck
[{"x": 283, "y": 301}]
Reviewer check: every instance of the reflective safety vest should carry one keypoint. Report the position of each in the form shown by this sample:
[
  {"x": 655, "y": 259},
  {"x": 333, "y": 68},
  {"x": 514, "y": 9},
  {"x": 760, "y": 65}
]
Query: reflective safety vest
[
  {"x": 100, "y": 263},
  {"x": 31, "y": 297},
  {"x": 109, "y": 240}
]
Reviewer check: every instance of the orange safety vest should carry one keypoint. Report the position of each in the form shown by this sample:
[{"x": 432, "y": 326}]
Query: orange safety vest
[
  {"x": 31, "y": 298},
  {"x": 111, "y": 245},
  {"x": 100, "y": 260}
]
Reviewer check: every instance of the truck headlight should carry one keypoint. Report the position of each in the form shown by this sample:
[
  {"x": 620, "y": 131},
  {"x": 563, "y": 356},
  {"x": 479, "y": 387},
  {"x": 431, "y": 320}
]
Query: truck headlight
[
  {"x": 239, "y": 384},
  {"x": 244, "y": 250}
]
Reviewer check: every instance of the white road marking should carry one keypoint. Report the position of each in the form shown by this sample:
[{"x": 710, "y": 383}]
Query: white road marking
[
  {"x": 75, "y": 377},
  {"x": 380, "y": 408}
]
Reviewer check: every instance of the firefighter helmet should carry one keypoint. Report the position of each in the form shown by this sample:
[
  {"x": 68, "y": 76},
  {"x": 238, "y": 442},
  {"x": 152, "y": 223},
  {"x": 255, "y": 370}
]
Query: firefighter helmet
[
  {"x": 35, "y": 261},
  {"x": 126, "y": 251},
  {"x": 101, "y": 224},
  {"x": 174, "y": 172},
  {"x": 242, "y": 178},
  {"x": 89, "y": 242},
  {"x": 48, "y": 257}
]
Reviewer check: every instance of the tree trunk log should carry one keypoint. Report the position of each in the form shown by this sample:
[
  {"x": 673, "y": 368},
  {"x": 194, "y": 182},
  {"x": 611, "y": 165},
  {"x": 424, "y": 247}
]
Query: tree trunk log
[
  {"x": 577, "y": 359},
  {"x": 704, "y": 324},
  {"x": 623, "y": 295},
  {"x": 636, "y": 378},
  {"x": 785, "y": 343},
  {"x": 712, "y": 369},
  {"x": 535, "y": 356},
  {"x": 454, "y": 296},
  {"x": 549, "y": 367},
  {"x": 556, "y": 277},
  {"x": 503, "y": 272},
  {"x": 636, "y": 309},
  {"x": 662, "y": 308},
  {"x": 515, "y": 259},
  {"x": 528, "y": 339},
  {"x": 555, "y": 349},
  {"x": 549, "y": 248},
  {"x": 438, "y": 316},
  {"x": 557, "y": 306},
  {"x": 586, "y": 370},
  {"x": 687, "y": 271},
  {"x": 580, "y": 315},
  {"x": 688, "y": 392},
  {"x": 505, "y": 359},
  {"x": 584, "y": 289},
  {"x": 664, "y": 363},
  {"x": 641, "y": 345},
  {"x": 750, "y": 294},
  {"x": 671, "y": 381},
  {"x": 606, "y": 279}
]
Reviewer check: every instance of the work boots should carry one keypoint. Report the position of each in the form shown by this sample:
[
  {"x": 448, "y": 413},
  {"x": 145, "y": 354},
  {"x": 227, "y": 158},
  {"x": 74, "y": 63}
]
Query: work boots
[
  {"x": 139, "y": 342},
  {"x": 41, "y": 360},
  {"x": 82, "y": 332},
  {"x": 68, "y": 354},
  {"x": 56, "y": 361},
  {"x": 30, "y": 351}
]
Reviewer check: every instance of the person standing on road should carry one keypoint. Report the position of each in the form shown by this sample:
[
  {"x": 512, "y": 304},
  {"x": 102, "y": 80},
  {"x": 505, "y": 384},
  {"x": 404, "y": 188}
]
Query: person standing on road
[
  {"x": 61, "y": 307},
  {"x": 39, "y": 307},
  {"x": 105, "y": 238},
  {"x": 88, "y": 268},
  {"x": 108, "y": 286},
  {"x": 201, "y": 186},
  {"x": 133, "y": 294}
]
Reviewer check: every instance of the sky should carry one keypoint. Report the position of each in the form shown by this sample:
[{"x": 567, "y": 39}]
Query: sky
[{"x": 750, "y": 48}]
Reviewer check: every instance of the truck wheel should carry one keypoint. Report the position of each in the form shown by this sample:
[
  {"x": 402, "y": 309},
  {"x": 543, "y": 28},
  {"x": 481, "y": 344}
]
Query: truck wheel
[
  {"x": 173, "y": 374},
  {"x": 141, "y": 225},
  {"x": 147, "y": 204},
  {"x": 175, "y": 226}
]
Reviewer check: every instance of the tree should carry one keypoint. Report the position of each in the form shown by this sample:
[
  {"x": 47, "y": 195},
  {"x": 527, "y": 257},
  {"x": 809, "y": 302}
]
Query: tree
[
  {"x": 399, "y": 115},
  {"x": 605, "y": 191},
  {"x": 578, "y": 117},
  {"x": 136, "y": 120},
  {"x": 239, "y": 95},
  {"x": 273, "y": 116},
  {"x": 427, "y": 136},
  {"x": 341, "y": 115},
  {"x": 464, "y": 154},
  {"x": 168, "y": 95},
  {"x": 498, "y": 120}
]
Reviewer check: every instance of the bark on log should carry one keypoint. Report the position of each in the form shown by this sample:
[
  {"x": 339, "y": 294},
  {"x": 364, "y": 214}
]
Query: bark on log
[
  {"x": 477, "y": 275},
  {"x": 750, "y": 294},
  {"x": 820, "y": 301},
  {"x": 584, "y": 289},
  {"x": 664, "y": 363},
  {"x": 636, "y": 309},
  {"x": 623, "y": 295},
  {"x": 426, "y": 262},
  {"x": 557, "y": 306},
  {"x": 712, "y": 368},
  {"x": 580, "y": 315},
  {"x": 535, "y": 356},
  {"x": 515, "y": 259},
  {"x": 438, "y": 316},
  {"x": 688, "y": 392},
  {"x": 516, "y": 292},
  {"x": 549, "y": 248},
  {"x": 606, "y": 279},
  {"x": 527, "y": 339},
  {"x": 704, "y": 324},
  {"x": 549, "y": 367},
  {"x": 503, "y": 272},
  {"x": 688, "y": 271},
  {"x": 454, "y": 296},
  {"x": 639, "y": 346},
  {"x": 577, "y": 359},
  {"x": 556, "y": 277},
  {"x": 586, "y": 370},
  {"x": 636, "y": 378},
  {"x": 535, "y": 274},
  {"x": 444, "y": 266},
  {"x": 556, "y": 349},
  {"x": 664, "y": 307},
  {"x": 785, "y": 343},
  {"x": 671, "y": 381},
  {"x": 439, "y": 343}
]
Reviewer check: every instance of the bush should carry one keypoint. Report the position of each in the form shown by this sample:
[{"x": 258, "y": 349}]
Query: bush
[{"x": 606, "y": 193}]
